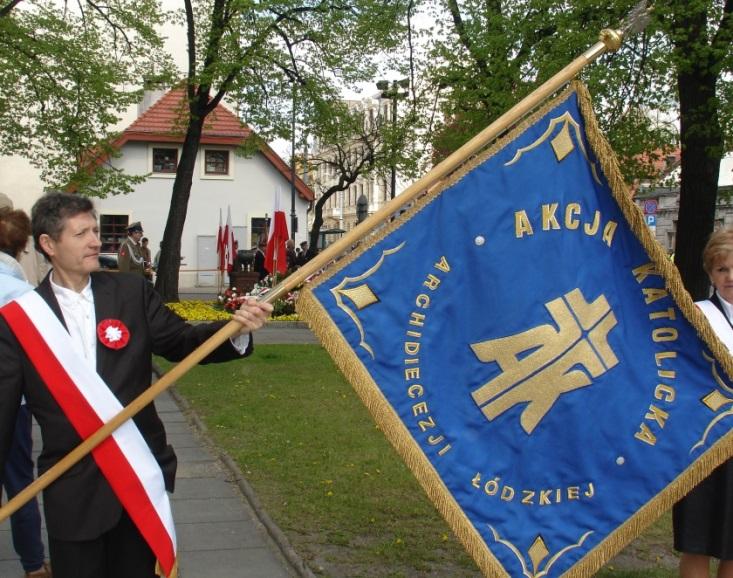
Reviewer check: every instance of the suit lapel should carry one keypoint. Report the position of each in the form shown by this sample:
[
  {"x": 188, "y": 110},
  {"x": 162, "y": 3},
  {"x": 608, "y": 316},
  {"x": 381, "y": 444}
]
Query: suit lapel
[
  {"x": 103, "y": 309},
  {"x": 45, "y": 291}
]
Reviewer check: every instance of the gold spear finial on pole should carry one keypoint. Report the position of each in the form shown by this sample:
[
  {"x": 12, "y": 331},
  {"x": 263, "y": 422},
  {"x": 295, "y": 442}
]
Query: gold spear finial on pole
[
  {"x": 635, "y": 22},
  {"x": 632, "y": 24}
]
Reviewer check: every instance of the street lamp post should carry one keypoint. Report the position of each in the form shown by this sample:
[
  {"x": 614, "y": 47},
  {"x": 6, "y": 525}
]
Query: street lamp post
[
  {"x": 362, "y": 208},
  {"x": 393, "y": 93}
]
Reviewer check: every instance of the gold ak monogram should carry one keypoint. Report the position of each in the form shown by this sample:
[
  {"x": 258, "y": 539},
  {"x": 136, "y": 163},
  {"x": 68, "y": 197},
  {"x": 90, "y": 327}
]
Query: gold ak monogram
[{"x": 542, "y": 363}]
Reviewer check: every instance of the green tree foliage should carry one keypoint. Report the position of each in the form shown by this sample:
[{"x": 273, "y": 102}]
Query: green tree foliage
[
  {"x": 667, "y": 87},
  {"x": 257, "y": 54},
  {"x": 701, "y": 36},
  {"x": 67, "y": 68},
  {"x": 489, "y": 55}
]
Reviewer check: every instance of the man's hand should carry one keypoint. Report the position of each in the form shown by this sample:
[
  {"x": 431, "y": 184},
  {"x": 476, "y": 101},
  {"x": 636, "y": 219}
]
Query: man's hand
[{"x": 252, "y": 315}]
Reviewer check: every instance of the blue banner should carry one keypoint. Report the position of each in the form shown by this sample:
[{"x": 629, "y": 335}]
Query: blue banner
[{"x": 515, "y": 336}]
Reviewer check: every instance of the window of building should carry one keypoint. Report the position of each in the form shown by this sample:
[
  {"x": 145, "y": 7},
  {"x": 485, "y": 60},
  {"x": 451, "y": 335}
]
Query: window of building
[
  {"x": 258, "y": 230},
  {"x": 112, "y": 231},
  {"x": 216, "y": 162},
  {"x": 165, "y": 160}
]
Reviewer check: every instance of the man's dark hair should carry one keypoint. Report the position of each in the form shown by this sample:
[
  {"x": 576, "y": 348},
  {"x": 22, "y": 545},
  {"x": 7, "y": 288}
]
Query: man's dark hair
[{"x": 50, "y": 212}]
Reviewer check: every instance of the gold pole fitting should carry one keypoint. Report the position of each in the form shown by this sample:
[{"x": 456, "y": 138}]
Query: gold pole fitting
[{"x": 612, "y": 38}]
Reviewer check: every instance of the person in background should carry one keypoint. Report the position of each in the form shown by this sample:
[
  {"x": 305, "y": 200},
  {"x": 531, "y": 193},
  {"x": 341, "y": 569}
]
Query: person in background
[
  {"x": 703, "y": 519},
  {"x": 32, "y": 262},
  {"x": 259, "y": 260},
  {"x": 129, "y": 255},
  {"x": 303, "y": 255},
  {"x": 25, "y": 524},
  {"x": 147, "y": 259},
  {"x": 156, "y": 260},
  {"x": 291, "y": 256}
]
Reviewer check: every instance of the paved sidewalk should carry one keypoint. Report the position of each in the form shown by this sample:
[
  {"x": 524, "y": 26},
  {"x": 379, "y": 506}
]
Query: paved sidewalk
[
  {"x": 222, "y": 530},
  {"x": 219, "y": 532}
]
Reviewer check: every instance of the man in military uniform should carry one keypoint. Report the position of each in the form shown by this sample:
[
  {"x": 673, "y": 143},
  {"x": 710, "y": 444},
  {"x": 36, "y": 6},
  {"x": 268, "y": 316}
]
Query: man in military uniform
[
  {"x": 129, "y": 256},
  {"x": 147, "y": 258}
]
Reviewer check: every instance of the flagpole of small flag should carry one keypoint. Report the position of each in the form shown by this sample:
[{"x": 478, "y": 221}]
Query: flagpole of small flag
[
  {"x": 610, "y": 41},
  {"x": 220, "y": 256}
]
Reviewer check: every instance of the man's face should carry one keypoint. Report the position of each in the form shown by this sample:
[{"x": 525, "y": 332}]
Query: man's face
[
  {"x": 76, "y": 251},
  {"x": 136, "y": 236}
]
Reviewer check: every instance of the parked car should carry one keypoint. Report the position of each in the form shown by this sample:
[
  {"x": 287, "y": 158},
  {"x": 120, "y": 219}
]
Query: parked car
[{"x": 108, "y": 261}]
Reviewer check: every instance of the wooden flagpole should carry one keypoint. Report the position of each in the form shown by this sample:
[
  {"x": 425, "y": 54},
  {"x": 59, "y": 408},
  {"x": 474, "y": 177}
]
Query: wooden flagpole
[{"x": 610, "y": 40}]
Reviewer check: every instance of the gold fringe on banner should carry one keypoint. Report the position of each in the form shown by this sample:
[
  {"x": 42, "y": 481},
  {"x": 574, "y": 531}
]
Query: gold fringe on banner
[
  {"x": 721, "y": 450},
  {"x": 311, "y": 310}
]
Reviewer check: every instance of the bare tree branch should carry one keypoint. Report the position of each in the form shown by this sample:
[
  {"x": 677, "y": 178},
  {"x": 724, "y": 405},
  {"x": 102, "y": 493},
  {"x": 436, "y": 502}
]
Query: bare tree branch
[
  {"x": 117, "y": 29},
  {"x": 5, "y": 10}
]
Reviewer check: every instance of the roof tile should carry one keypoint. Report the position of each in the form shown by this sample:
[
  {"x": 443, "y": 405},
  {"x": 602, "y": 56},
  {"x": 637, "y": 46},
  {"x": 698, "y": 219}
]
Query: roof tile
[
  {"x": 166, "y": 117},
  {"x": 165, "y": 121}
]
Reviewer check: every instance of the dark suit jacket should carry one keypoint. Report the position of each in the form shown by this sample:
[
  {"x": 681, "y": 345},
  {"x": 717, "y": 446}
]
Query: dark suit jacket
[
  {"x": 259, "y": 264},
  {"x": 80, "y": 505}
]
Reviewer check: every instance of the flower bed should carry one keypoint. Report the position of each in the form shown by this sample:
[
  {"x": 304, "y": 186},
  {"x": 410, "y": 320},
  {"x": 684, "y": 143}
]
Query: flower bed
[
  {"x": 212, "y": 311},
  {"x": 230, "y": 299}
]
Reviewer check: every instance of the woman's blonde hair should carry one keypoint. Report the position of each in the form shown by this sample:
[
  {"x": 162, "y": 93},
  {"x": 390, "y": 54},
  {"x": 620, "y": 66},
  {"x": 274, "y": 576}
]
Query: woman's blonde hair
[{"x": 719, "y": 246}]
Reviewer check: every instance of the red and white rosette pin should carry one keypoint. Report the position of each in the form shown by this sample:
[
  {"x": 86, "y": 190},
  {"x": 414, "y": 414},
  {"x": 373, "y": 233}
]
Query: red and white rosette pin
[{"x": 113, "y": 333}]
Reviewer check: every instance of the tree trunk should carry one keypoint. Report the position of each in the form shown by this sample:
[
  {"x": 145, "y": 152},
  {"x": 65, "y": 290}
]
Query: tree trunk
[
  {"x": 170, "y": 255},
  {"x": 702, "y": 149},
  {"x": 317, "y": 224}
]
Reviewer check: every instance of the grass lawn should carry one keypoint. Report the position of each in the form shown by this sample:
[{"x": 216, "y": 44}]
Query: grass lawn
[{"x": 331, "y": 481}]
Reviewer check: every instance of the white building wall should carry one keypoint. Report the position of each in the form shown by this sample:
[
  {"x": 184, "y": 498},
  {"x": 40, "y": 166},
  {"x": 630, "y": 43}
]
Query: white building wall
[
  {"x": 249, "y": 192},
  {"x": 725, "y": 178},
  {"x": 21, "y": 181}
]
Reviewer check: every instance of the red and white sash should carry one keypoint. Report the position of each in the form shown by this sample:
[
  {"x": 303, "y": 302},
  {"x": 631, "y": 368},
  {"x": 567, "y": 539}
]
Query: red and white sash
[{"x": 124, "y": 458}]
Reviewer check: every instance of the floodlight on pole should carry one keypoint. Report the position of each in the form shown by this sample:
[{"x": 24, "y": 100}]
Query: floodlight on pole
[{"x": 393, "y": 93}]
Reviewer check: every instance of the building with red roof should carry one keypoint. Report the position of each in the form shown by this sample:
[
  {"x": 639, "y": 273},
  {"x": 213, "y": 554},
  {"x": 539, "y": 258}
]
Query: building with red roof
[{"x": 223, "y": 180}]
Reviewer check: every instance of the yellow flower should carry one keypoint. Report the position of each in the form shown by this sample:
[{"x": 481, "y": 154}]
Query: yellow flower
[{"x": 206, "y": 311}]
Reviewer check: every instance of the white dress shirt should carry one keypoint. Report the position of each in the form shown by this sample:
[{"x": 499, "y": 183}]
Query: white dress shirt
[{"x": 81, "y": 321}]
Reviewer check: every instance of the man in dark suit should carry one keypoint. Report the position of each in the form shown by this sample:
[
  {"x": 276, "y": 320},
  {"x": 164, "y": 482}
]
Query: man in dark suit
[
  {"x": 90, "y": 533},
  {"x": 259, "y": 260}
]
